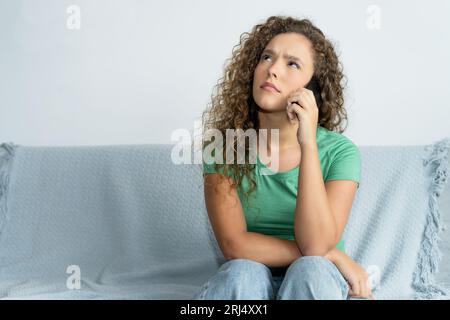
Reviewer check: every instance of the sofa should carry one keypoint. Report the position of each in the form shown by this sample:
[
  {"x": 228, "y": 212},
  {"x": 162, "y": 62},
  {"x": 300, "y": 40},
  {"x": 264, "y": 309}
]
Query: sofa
[{"x": 129, "y": 222}]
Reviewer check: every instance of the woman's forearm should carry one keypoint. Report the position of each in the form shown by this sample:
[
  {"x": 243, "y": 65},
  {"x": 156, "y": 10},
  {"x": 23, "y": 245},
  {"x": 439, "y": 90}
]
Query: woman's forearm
[
  {"x": 336, "y": 256},
  {"x": 269, "y": 250},
  {"x": 314, "y": 224},
  {"x": 273, "y": 251}
]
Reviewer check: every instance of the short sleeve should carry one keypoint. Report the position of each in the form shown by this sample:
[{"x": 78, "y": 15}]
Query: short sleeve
[
  {"x": 210, "y": 168},
  {"x": 346, "y": 163}
]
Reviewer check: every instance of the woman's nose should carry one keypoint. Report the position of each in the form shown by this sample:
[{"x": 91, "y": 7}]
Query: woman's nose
[{"x": 273, "y": 70}]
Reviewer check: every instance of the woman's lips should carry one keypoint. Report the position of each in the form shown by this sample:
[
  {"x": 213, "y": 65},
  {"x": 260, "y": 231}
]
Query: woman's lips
[{"x": 269, "y": 88}]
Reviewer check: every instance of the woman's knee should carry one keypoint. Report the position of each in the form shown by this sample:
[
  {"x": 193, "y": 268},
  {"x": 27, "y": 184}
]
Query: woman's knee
[
  {"x": 309, "y": 263},
  {"x": 310, "y": 268},
  {"x": 239, "y": 279},
  {"x": 246, "y": 270},
  {"x": 313, "y": 277}
]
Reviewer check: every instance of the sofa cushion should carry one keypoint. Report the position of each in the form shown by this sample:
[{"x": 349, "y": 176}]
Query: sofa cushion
[{"x": 124, "y": 221}]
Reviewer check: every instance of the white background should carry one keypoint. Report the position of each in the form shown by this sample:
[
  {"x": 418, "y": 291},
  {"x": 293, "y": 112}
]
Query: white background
[{"x": 136, "y": 71}]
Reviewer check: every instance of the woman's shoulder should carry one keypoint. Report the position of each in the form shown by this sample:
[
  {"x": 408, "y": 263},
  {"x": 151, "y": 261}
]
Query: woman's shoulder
[
  {"x": 334, "y": 141},
  {"x": 343, "y": 156}
]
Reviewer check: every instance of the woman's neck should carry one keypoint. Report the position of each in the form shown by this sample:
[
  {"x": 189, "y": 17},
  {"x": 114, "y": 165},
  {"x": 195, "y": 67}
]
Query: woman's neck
[{"x": 287, "y": 132}]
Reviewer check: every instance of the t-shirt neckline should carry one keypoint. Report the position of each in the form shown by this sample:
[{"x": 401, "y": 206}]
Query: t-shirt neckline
[
  {"x": 277, "y": 174},
  {"x": 284, "y": 173}
]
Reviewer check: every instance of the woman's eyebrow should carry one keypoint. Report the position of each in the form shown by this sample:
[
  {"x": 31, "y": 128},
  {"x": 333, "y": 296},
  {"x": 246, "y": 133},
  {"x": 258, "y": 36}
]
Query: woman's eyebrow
[{"x": 287, "y": 56}]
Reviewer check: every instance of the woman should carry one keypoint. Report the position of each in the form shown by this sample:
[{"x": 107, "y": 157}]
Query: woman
[{"x": 281, "y": 232}]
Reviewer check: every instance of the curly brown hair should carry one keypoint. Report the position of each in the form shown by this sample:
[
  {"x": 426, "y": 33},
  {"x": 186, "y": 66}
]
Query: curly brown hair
[{"x": 233, "y": 107}]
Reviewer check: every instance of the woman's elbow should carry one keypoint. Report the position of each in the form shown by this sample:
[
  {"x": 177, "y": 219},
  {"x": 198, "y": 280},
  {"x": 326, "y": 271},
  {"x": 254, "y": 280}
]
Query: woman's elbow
[
  {"x": 230, "y": 250},
  {"x": 313, "y": 252},
  {"x": 317, "y": 250}
]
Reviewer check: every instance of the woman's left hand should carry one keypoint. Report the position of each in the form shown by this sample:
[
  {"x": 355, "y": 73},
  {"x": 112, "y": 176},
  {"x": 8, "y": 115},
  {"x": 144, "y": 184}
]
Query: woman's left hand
[
  {"x": 355, "y": 275},
  {"x": 301, "y": 106}
]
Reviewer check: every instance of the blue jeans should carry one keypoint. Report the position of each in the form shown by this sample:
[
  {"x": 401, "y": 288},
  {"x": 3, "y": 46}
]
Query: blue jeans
[{"x": 307, "y": 278}]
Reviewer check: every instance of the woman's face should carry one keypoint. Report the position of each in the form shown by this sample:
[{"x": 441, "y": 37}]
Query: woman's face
[{"x": 278, "y": 65}]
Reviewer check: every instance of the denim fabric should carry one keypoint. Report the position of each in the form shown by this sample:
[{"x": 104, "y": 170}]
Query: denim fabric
[{"x": 307, "y": 278}]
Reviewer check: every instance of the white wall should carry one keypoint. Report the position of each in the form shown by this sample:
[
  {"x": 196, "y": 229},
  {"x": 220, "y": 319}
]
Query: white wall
[{"x": 136, "y": 71}]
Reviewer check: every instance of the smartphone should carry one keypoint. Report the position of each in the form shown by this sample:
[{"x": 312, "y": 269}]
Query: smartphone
[{"x": 314, "y": 86}]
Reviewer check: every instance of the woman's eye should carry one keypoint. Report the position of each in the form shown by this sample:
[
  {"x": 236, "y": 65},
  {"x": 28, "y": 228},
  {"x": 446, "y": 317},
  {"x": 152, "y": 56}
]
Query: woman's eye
[
  {"x": 296, "y": 65},
  {"x": 263, "y": 57}
]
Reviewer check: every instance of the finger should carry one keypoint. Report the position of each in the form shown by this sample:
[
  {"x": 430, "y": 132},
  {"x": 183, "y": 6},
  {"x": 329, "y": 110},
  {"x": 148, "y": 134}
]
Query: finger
[
  {"x": 294, "y": 111},
  {"x": 361, "y": 288},
  {"x": 350, "y": 293},
  {"x": 310, "y": 93},
  {"x": 295, "y": 108},
  {"x": 364, "y": 288},
  {"x": 301, "y": 97},
  {"x": 295, "y": 100},
  {"x": 291, "y": 115},
  {"x": 368, "y": 286},
  {"x": 304, "y": 104},
  {"x": 294, "y": 96},
  {"x": 355, "y": 288},
  {"x": 298, "y": 93},
  {"x": 288, "y": 112},
  {"x": 359, "y": 291}
]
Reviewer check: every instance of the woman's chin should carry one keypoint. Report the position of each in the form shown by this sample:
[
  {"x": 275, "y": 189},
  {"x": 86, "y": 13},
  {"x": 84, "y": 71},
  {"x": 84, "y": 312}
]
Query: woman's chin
[{"x": 271, "y": 108}]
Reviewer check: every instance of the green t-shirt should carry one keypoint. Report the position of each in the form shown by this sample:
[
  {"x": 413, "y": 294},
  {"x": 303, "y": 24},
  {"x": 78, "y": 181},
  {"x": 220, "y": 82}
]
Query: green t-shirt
[{"x": 271, "y": 210}]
